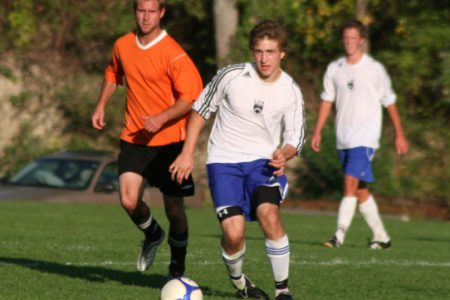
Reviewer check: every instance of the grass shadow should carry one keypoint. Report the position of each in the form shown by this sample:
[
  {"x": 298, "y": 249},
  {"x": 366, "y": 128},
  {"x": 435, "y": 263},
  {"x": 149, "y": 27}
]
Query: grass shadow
[
  {"x": 100, "y": 274},
  {"x": 89, "y": 273}
]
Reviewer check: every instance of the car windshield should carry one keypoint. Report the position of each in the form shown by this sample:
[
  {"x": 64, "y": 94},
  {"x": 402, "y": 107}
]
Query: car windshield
[{"x": 57, "y": 173}]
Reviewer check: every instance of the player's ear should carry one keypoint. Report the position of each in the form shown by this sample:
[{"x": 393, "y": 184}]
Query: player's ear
[{"x": 162, "y": 12}]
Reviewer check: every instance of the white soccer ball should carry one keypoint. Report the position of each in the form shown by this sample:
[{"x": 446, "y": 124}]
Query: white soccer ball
[{"x": 181, "y": 288}]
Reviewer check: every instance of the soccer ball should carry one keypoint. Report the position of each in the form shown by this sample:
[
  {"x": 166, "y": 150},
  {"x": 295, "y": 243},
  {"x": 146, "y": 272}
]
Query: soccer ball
[{"x": 181, "y": 288}]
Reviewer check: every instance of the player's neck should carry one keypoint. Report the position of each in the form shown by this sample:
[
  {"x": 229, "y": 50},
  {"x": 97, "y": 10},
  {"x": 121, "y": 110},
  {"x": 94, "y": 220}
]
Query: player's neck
[
  {"x": 147, "y": 38},
  {"x": 354, "y": 58}
]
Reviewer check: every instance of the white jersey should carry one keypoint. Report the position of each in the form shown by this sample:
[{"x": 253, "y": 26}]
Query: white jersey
[
  {"x": 360, "y": 91},
  {"x": 251, "y": 114}
]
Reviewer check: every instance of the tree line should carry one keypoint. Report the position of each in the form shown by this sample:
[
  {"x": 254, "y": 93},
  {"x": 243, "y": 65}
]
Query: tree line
[{"x": 71, "y": 42}]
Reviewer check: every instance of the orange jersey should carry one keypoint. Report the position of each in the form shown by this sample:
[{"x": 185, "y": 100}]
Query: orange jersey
[{"x": 156, "y": 75}]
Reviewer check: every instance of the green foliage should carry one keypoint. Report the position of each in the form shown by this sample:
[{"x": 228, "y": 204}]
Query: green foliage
[
  {"x": 7, "y": 73},
  {"x": 77, "y": 101},
  {"x": 320, "y": 174},
  {"x": 20, "y": 101},
  {"x": 22, "y": 23}
]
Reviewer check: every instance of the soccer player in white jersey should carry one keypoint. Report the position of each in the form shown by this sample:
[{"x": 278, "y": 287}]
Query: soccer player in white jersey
[
  {"x": 255, "y": 103},
  {"x": 360, "y": 86}
]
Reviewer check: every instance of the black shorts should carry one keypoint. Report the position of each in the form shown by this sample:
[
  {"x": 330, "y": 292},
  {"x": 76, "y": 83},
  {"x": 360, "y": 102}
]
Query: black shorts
[{"x": 153, "y": 163}]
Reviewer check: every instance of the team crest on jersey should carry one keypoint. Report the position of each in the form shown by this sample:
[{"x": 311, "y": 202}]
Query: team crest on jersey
[
  {"x": 258, "y": 106},
  {"x": 350, "y": 84}
]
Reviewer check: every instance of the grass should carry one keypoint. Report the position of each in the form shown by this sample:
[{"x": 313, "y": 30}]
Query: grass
[{"x": 88, "y": 251}]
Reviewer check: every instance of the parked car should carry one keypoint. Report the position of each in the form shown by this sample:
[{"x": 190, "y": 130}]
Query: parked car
[{"x": 66, "y": 176}]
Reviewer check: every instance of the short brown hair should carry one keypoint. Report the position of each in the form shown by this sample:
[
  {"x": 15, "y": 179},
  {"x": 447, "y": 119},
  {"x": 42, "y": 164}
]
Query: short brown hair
[
  {"x": 269, "y": 29},
  {"x": 162, "y": 4},
  {"x": 356, "y": 24}
]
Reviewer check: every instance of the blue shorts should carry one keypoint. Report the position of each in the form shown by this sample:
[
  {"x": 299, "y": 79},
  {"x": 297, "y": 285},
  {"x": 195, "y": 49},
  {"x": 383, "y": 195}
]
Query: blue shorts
[
  {"x": 233, "y": 184},
  {"x": 357, "y": 162}
]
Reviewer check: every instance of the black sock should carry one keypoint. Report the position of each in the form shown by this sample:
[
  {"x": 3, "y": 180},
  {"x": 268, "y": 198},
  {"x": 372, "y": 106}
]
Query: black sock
[
  {"x": 178, "y": 246},
  {"x": 153, "y": 232}
]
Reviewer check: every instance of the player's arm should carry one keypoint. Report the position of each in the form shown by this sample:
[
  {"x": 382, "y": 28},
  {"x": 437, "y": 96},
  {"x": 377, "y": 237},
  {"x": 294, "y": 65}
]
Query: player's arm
[
  {"x": 401, "y": 143},
  {"x": 324, "y": 112},
  {"x": 183, "y": 165},
  {"x": 155, "y": 122},
  {"x": 98, "y": 117}
]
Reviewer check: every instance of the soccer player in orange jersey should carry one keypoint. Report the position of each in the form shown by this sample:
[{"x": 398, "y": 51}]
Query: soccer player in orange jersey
[{"x": 161, "y": 84}]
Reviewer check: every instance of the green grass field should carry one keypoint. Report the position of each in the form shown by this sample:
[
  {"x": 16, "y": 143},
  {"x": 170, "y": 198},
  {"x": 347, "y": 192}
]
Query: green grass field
[{"x": 88, "y": 251}]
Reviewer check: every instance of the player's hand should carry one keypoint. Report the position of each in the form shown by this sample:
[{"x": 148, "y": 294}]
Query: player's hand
[
  {"x": 401, "y": 144},
  {"x": 182, "y": 167},
  {"x": 98, "y": 119},
  {"x": 278, "y": 161},
  {"x": 315, "y": 142},
  {"x": 153, "y": 123}
]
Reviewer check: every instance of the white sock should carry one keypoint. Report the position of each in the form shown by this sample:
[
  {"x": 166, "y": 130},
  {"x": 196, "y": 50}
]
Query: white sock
[
  {"x": 369, "y": 210},
  {"x": 345, "y": 216},
  {"x": 279, "y": 255},
  {"x": 234, "y": 264}
]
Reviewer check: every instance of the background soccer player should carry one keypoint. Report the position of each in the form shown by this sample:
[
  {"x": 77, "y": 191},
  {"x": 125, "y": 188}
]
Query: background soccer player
[
  {"x": 360, "y": 86},
  {"x": 253, "y": 101},
  {"x": 161, "y": 84}
]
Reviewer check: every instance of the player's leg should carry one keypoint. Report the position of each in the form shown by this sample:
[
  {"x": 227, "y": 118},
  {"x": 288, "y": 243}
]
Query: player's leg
[
  {"x": 232, "y": 223},
  {"x": 173, "y": 195},
  {"x": 232, "y": 242},
  {"x": 178, "y": 234},
  {"x": 130, "y": 197},
  {"x": 265, "y": 193},
  {"x": 276, "y": 239},
  {"x": 347, "y": 205},
  {"x": 369, "y": 209},
  {"x": 346, "y": 211},
  {"x": 226, "y": 182},
  {"x": 132, "y": 163}
]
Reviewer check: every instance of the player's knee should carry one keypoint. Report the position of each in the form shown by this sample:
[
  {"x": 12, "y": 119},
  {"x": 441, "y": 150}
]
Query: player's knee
[
  {"x": 234, "y": 239},
  {"x": 129, "y": 203}
]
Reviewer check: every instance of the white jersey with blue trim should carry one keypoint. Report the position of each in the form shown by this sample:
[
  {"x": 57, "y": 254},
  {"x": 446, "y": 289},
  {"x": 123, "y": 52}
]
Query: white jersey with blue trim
[
  {"x": 251, "y": 114},
  {"x": 360, "y": 90}
]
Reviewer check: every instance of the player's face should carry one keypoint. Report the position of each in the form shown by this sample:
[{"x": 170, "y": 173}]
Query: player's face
[
  {"x": 352, "y": 41},
  {"x": 268, "y": 56},
  {"x": 148, "y": 16}
]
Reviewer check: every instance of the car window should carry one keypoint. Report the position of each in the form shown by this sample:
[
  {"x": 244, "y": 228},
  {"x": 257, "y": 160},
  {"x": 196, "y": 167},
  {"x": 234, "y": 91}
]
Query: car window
[
  {"x": 109, "y": 179},
  {"x": 57, "y": 173}
]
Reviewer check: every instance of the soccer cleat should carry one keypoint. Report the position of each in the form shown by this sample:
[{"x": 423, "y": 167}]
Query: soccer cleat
[
  {"x": 333, "y": 242},
  {"x": 250, "y": 291},
  {"x": 375, "y": 245},
  {"x": 284, "y": 296},
  {"x": 148, "y": 252}
]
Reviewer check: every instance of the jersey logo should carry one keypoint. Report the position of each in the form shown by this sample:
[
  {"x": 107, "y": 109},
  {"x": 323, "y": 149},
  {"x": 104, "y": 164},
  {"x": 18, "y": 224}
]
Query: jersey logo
[
  {"x": 350, "y": 84},
  {"x": 247, "y": 74},
  {"x": 258, "y": 106}
]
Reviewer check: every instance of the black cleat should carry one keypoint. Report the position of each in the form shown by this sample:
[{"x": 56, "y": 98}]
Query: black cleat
[
  {"x": 284, "y": 296},
  {"x": 250, "y": 291},
  {"x": 333, "y": 242},
  {"x": 375, "y": 245}
]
